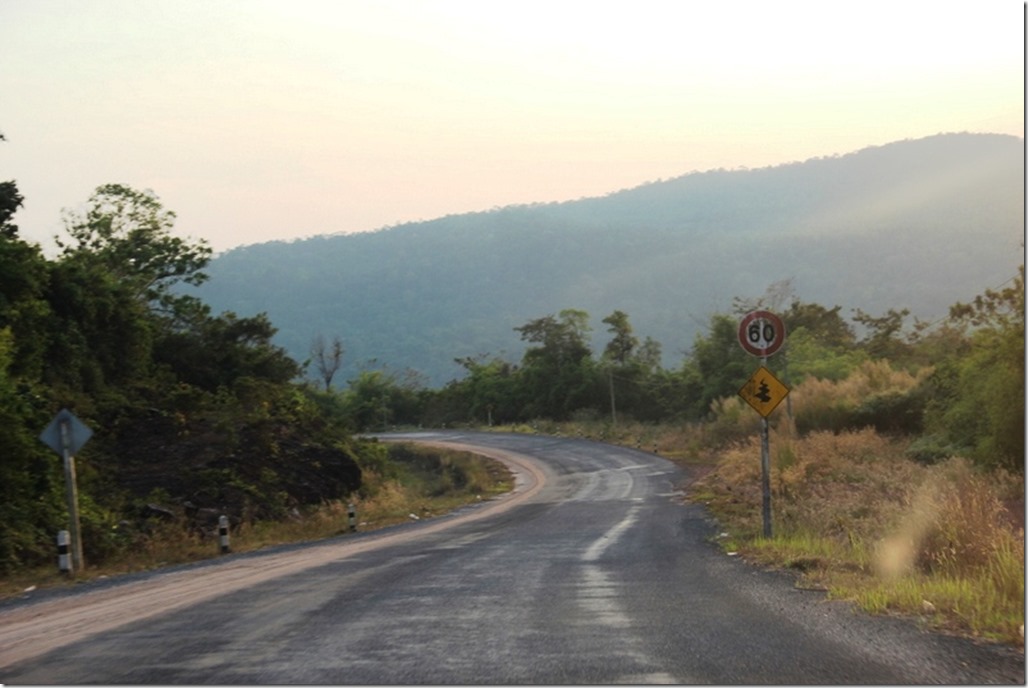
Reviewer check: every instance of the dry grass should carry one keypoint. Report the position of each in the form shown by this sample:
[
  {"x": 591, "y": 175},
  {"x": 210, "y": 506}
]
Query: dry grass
[{"x": 856, "y": 517}]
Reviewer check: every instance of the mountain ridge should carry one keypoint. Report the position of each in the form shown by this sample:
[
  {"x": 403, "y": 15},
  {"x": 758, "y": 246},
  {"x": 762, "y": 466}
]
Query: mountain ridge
[{"x": 920, "y": 223}]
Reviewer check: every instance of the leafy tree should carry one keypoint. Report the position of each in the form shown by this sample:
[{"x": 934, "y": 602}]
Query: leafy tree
[
  {"x": 99, "y": 335},
  {"x": 490, "y": 389},
  {"x": 883, "y": 334},
  {"x": 716, "y": 366},
  {"x": 217, "y": 351},
  {"x": 376, "y": 399},
  {"x": 809, "y": 355},
  {"x": 977, "y": 400},
  {"x": 617, "y": 352},
  {"x": 24, "y": 308},
  {"x": 632, "y": 370},
  {"x": 30, "y": 484},
  {"x": 623, "y": 342},
  {"x": 10, "y": 201},
  {"x": 557, "y": 374},
  {"x": 128, "y": 233},
  {"x": 824, "y": 325}
]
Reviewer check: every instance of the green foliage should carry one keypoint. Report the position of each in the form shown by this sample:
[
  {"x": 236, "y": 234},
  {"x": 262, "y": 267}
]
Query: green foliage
[
  {"x": 717, "y": 365},
  {"x": 24, "y": 306},
  {"x": 198, "y": 409},
  {"x": 977, "y": 400},
  {"x": 217, "y": 351},
  {"x": 378, "y": 399},
  {"x": 810, "y": 355},
  {"x": 128, "y": 234},
  {"x": 30, "y": 475},
  {"x": 557, "y": 374},
  {"x": 10, "y": 201}
]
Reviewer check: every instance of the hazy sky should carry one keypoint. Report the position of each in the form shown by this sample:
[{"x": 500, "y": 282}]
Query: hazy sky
[{"x": 279, "y": 119}]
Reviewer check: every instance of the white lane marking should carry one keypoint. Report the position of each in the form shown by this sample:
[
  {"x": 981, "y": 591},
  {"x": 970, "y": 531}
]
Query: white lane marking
[{"x": 597, "y": 549}]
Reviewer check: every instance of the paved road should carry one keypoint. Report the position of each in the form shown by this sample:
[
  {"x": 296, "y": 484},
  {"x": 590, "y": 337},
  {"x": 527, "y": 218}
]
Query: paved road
[{"x": 593, "y": 572}]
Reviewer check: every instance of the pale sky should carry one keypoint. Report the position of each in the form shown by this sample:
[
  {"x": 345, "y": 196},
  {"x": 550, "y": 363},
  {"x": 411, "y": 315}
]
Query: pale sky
[{"x": 278, "y": 119}]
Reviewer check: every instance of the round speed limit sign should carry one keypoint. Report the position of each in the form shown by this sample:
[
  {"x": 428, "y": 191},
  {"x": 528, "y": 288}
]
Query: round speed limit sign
[{"x": 761, "y": 333}]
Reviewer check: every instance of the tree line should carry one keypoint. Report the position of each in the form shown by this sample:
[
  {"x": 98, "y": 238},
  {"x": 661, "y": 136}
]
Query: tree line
[{"x": 969, "y": 399}]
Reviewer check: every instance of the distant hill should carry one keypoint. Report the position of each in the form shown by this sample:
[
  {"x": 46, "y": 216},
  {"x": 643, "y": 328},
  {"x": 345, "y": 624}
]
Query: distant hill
[{"x": 916, "y": 224}]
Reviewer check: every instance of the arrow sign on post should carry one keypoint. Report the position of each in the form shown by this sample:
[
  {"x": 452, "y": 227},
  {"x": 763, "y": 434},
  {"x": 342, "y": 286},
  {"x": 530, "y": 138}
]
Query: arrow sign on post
[{"x": 66, "y": 434}]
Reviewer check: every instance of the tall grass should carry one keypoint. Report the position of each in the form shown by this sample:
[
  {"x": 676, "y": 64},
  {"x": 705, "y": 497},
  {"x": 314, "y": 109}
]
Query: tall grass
[{"x": 854, "y": 515}]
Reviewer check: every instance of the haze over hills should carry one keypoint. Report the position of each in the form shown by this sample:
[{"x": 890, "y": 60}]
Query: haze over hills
[{"x": 916, "y": 224}]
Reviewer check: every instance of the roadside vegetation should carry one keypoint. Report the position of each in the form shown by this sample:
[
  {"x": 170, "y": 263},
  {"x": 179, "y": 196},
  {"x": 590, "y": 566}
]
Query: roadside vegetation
[
  {"x": 401, "y": 483},
  {"x": 897, "y": 459}
]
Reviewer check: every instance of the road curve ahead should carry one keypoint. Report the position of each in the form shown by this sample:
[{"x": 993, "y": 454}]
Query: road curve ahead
[{"x": 593, "y": 572}]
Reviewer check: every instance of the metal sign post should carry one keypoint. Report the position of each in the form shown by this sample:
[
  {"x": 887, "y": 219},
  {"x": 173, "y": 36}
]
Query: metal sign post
[
  {"x": 761, "y": 333},
  {"x": 66, "y": 434}
]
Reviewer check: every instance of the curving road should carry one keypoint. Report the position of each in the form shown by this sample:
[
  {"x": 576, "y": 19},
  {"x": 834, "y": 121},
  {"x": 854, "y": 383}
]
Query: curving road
[{"x": 591, "y": 571}]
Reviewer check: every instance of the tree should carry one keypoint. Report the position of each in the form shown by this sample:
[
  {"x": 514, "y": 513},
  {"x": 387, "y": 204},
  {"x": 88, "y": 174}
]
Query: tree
[
  {"x": 623, "y": 343},
  {"x": 717, "y": 366},
  {"x": 489, "y": 390},
  {"x": 327, "y": 358},
  {"x": 977, "y": 398},
  {"x": 128, "y": 233},
  {"x": 824, "y": 325},
  {"x": 217, "y": 352},
  {"x": 557, "y": 373},
  {"x": 618, "y": 352},
  {"x": 883, "y": 333},
  {"x": 10, "y": 201}
]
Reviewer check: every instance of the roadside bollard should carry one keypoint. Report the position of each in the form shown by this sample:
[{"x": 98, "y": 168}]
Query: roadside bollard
[
  {"x": 353, "y": 518},
  {"x": 223, "y": 534},
  {"x": 63, "y": 555}
]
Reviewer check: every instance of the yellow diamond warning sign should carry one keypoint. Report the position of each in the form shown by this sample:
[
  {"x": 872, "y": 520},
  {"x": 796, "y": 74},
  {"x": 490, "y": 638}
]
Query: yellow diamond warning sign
[{"x": 763, "y": 391}]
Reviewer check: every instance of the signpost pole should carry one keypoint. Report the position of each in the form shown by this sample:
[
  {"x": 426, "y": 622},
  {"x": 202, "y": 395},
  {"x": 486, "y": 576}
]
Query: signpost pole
[
  {"x": 765, "y": 469},
  {"x": 71, "y": 494},
  {"x": 762, "y": 333}
]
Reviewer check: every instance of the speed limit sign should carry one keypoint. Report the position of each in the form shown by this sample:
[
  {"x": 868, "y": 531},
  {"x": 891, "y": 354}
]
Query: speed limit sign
[{"x": 761, "y": 333}]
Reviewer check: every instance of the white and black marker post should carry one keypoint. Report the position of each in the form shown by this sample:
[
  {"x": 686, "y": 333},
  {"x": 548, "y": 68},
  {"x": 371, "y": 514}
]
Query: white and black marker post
[
  {"x": 223, "y": 534},
  {"x": 63, "y": 552},
  {"x": 353, "y": 517}
]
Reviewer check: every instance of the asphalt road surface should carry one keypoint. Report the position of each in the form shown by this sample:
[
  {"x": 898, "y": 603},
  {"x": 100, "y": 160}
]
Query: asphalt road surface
[{"x": 592, "y": 572}]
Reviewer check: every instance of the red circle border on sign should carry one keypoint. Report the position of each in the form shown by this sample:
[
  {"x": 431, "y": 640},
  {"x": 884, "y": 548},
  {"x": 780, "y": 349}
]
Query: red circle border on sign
[{"x": 761, "y": 315}]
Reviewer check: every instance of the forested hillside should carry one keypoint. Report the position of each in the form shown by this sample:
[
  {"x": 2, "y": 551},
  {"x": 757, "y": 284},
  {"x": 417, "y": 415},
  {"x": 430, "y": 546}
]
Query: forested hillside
[{"x": 917, "y": 224}]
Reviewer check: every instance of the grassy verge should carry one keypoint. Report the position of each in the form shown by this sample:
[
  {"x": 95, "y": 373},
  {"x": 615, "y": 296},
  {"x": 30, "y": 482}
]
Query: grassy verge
[
  {"x": 855, "y": 517},
  {"x": 415, "y": 480}
]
